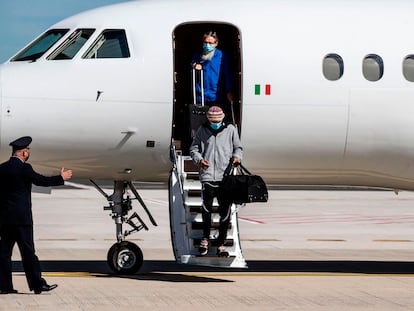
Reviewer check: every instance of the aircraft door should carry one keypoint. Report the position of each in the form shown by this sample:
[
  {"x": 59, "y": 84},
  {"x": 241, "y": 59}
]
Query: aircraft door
[
  {"x": 184, "y": 186},
  {"x": 187, "y": 40}
]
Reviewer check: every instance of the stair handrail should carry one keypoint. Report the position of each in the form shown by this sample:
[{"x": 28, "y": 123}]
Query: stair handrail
[{"x": 175, "y": 166}]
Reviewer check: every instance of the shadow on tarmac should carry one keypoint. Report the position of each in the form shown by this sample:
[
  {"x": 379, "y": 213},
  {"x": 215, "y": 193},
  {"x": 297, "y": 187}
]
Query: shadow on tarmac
[{"x": 159, "y": 269}]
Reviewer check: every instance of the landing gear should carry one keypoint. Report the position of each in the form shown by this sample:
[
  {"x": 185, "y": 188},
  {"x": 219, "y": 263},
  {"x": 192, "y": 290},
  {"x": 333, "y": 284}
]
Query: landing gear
[{"x": 125, "y": 257}]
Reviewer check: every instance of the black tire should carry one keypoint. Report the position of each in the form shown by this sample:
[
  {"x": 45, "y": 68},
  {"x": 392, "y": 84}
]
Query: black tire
[{"x": 125, "y": 258}]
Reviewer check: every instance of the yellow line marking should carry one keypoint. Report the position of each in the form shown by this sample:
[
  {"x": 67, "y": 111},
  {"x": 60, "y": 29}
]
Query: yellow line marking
[
  {"x": 302, "y": 274},
  {"x": 75, "y": 239},
  {"x": 394, "y": 241},
  {"x": 326, "y": 240},
  {"x": 236, "y": 274},
  {"x": 57, "y": 239},
  {"x": 74, "y": 274},
  {"x": 131, "y": 239},
  {"x": 259, "y": 240}
]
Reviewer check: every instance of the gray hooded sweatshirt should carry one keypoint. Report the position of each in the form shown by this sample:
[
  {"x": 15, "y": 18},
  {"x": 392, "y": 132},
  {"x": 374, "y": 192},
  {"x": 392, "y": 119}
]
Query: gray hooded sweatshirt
[{"x": 217, "y": 147}]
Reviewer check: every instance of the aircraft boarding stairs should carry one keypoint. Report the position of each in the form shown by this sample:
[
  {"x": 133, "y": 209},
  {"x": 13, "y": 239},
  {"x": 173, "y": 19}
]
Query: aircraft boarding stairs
[{"x": 186, "y": 222}]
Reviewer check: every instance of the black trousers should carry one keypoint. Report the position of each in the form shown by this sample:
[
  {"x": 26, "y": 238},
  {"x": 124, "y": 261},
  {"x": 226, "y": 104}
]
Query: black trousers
[
  {"x": 209, "y": 192},
  {"x": 23, "y": 236}
]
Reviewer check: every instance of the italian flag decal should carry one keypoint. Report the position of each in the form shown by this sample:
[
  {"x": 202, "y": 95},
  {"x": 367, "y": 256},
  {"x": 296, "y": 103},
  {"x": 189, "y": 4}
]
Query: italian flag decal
[{"x": 258, "y": 89}]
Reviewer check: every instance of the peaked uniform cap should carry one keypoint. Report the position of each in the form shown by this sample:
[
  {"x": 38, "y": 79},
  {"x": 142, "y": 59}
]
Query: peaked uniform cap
[
  {"x": 215, "y": 114},
  {"x": 21, "y": 143}
]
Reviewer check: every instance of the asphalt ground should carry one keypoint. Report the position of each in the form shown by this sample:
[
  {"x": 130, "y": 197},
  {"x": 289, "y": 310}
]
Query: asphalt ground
[{"x": 306, "y": 250}]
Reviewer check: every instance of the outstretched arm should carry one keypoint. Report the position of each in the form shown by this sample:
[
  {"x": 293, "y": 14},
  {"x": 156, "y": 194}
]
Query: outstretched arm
[{"x": 66, "y": 175}]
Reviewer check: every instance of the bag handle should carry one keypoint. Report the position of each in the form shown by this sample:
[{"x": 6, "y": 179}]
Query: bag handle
[
  {"x": 244, "y": 169},
  {"x": 229, "y": 169}
]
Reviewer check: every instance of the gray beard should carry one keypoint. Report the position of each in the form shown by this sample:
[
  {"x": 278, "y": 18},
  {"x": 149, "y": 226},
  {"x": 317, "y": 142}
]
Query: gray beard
[{"x": 208, "y": 56}]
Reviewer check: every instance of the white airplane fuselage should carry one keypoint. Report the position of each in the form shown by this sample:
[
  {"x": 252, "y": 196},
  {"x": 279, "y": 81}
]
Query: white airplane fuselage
[{"x": 114, "y": 118}]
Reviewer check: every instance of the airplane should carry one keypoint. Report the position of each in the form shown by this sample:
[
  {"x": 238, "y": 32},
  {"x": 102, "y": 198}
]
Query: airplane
[{"x": 324, "y": 96}]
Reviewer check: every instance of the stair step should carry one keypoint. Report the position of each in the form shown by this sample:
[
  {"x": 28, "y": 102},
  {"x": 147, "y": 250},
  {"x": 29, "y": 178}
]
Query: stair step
[
  {"x": 214, "y": 261},
  {"x": 193, "y": 176},
  {"x": 213, "y": 242},
  {"x": 194, "y": 193},
  {"x": 195, "y": 209},
  {"x": 193, "y": 201},
  {"x": 195, "y": 225},
  {"x": 190, "y": 184},
  {"x": 190, "y": 166},
  {"x": 212, "y": 256}
]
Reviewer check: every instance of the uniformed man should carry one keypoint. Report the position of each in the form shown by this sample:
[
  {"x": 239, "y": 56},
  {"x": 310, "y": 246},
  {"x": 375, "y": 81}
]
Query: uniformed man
[{"x": 16, "y": 221}]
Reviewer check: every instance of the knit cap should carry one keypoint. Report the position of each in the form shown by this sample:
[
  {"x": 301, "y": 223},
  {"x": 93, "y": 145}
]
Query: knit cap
[{"x": 215, "y": 114}]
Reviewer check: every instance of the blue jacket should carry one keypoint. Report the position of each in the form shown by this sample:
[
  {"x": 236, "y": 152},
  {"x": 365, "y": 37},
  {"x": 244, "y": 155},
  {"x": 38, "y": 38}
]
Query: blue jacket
[
  {"x": 16, "y": 179},
  {"x": 217, "y": 77}
]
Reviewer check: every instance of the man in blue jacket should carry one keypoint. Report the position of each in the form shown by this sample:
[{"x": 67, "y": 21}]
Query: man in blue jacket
[
  {"x": 214, "y": 145},
  {"x": 16, "y": 220},
  {"x": 217, "y": 76}
]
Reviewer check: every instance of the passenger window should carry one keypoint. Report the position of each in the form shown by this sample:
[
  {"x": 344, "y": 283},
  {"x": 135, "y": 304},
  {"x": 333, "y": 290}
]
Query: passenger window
[
  {"x": 40, "y": 46},
  {"x": 408, "y": 68},
  {"x": 333, "y": 67},
  {"x": 373, "y": 67},
  {"x": 110, "y": 44},
  {"x": 71, "y": 46}
]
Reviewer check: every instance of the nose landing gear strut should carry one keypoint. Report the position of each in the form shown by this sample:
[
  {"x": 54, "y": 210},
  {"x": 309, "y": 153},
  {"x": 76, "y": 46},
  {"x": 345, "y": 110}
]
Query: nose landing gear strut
[{"x": 125, "y": 257}]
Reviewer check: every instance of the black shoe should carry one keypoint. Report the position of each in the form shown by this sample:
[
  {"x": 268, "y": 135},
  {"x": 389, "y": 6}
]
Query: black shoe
[
  {"x": 221, "y": 252},
  {"x": 45, "y": 288},
  {"x": 203, "y": 249},
  {"x": 8, "y": 291}
]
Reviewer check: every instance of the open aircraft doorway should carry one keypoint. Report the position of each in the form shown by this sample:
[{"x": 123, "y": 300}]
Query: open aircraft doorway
[
  {"x": 187, "y": 40},
  {"x": 185, "y": 200}
]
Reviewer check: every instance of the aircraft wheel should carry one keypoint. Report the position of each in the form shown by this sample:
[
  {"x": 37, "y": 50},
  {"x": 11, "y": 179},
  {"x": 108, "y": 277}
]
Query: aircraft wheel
[{"x": 125, "y": 258}]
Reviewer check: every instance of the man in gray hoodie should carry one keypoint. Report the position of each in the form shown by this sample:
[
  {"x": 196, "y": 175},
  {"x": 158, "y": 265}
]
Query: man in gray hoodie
[{"x": 214, "y": 146}]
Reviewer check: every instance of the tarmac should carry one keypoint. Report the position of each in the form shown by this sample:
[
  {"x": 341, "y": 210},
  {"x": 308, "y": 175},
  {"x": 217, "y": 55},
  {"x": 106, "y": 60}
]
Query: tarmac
[{"x": 306, "y": 250}]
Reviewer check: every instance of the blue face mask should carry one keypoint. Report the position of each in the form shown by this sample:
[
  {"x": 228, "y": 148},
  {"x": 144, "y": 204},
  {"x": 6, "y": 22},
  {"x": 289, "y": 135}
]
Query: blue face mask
[
  {"x": 215, "y": 126},
  {"x": 208, "y": 47}
]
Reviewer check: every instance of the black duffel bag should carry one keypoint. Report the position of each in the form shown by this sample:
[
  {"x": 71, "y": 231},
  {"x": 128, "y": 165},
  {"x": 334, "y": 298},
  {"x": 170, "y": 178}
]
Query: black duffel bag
[{"x": 243, "y": 187}]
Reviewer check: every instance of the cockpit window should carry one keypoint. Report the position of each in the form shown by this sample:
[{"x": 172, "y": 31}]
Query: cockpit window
[
  {"x": 71, "y": 46},
  {"x": 110, "y": 44},
  {"x": 40, "y": 46}
]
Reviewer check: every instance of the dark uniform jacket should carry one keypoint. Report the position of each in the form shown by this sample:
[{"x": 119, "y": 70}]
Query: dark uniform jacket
[{"x": 16, "y": 179}]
